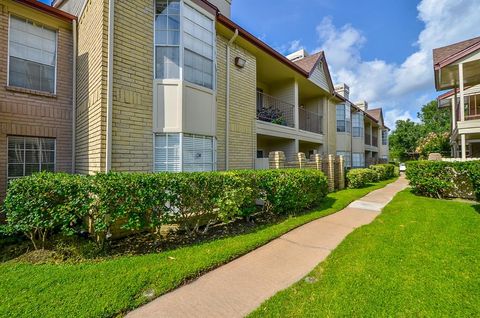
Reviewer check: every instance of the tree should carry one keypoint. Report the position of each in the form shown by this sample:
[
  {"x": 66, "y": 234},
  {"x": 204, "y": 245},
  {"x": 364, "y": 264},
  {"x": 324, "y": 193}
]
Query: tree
[
  {"x": 404, "y": 139},
  {"x": 410, "y": 140},
  {"x": 434, "y": 119}
]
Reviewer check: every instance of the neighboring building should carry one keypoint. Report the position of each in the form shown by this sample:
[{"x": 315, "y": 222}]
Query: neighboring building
[
  {"x": 362, "y": 137},
  {"x": 457, "y": 68},
  {"x": 36, "y": 66}
]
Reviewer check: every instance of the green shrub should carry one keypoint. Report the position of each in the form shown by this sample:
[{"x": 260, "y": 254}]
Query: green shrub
[
  {"x": 359, "y": 178},
  {"x": 384, "y": 171},
  {"x": 441, "y": 179},
  {"x": 288, "y": 190},
  {"x": 45, "y": 203}
]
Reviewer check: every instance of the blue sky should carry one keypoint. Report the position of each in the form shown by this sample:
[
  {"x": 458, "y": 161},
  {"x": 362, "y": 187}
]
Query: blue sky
[{"x": 381, "y": 48}]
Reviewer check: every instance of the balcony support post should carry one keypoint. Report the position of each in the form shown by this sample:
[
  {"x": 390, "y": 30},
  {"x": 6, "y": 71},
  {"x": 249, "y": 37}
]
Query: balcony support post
[
  {"x": 297, "y": 105},
  {"x": 464, "y": 146},
  {"x": 462, "y": 93}
]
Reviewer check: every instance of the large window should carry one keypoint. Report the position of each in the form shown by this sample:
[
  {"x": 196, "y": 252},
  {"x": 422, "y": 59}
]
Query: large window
[
  {"x": 27, "y": 155},
  {"x": 167, "y": 39},
  {"x": 32, "y": 55},
  {"x": 196, "y": 43},
  {"x": 357, "y": 125},
  {"x": 344, "y": 121},
  {"x": 184, "y": 152},
  {"x": 385, "y": 137},
  {"x": 358, "y": 160}
]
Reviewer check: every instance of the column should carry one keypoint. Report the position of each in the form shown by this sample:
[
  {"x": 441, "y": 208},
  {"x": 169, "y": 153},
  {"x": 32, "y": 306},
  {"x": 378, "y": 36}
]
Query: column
[
  {"x": 462, "y": 94},
  {"x": 297, "y": 105},
  {"x": 464, "y": 147}
]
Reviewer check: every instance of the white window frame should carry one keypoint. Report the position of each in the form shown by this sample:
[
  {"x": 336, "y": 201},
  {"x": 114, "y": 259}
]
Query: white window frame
[
  {"x": 55, "y": 73},
  {"x": 182, "y": 46},
  {"x": 181, "y": 149},
  {"x": 24, "y": 155}
]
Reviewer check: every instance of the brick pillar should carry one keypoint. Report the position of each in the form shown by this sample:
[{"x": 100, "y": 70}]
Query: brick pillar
[
  {"x": 276, "y": 160},
  {"x": 331, "y": 173},
  {"x": 317, "y": 159},
  {"x": 302, "y": 160},
  {"x": 341, "y": 173}
]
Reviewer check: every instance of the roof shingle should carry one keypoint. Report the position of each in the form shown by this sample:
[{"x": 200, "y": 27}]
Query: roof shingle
[{"x": 442, "y": 53}]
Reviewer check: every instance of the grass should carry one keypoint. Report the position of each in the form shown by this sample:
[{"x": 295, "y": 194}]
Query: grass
[
  {"x": 115, "y": 286},
  {"x": 419, "y": 258}
]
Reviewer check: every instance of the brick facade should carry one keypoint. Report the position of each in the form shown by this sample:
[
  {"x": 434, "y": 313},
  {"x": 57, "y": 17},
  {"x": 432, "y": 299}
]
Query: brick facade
[
  {"x": 242, "y": 137},
  {"x": 29, "y": 113}
]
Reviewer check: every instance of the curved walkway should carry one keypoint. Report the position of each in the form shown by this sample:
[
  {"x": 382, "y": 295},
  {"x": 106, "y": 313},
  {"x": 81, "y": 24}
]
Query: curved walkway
[{"x": 239, "y": 287}]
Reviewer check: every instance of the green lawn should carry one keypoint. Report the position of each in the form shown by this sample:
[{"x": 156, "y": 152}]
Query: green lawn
[
  {"x": 420, "y": 258},
  {"x": 107, "y": 288}
]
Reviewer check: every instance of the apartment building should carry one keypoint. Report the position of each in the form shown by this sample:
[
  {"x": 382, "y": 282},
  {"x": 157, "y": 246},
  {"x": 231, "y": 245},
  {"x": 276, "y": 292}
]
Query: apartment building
[
  {"x": 362, "y": 137},
  {"x": 169, "y": 85},
  {"x": 36, "y": 92},
  {"x": 457, "y": 68},
  {"x": 175, "y": 85}
]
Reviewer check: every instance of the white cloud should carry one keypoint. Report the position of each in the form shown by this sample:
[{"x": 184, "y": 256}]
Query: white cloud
[
  {"x": 290, "y": 47},
  {"x": 395, "y": 114},
  {"x": 397, "y": 87}
]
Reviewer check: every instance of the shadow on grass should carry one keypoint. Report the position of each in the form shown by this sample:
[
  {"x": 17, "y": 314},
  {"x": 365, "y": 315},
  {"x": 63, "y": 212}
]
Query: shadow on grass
[{"x": 477, "y": 208}]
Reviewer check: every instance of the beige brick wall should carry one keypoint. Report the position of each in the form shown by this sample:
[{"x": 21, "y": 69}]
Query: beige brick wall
[
  {"x": 242, "y": 108},
  {"x": 92, "y": 87},
  {"x": 26, "y": 113},
  {"x": 132, "y": 139}
]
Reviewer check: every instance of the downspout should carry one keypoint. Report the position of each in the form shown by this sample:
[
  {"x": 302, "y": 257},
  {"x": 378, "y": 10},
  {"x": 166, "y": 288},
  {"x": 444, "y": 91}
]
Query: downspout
[
  {"x": 108, "y": 155},
  {"x": 227, "y": 103},
  {"x": 74, "y": 93}
]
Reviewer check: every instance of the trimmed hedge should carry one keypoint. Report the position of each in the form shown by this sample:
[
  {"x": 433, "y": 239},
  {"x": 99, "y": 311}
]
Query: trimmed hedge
[
  {"x": 52, "y": 202},
  {"x": 359, "y": 178},
  {"x": 441, "y": 179}
]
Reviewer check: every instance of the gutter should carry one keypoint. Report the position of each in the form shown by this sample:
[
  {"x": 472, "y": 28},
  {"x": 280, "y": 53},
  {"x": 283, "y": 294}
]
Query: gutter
[
  {"x": 74, "y": 94},
  {"x": 227, "y": 102},
  {"x": 108, "y": 153}
]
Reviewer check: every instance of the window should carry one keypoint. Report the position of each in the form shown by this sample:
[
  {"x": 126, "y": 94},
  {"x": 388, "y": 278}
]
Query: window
[
  {"x": 167, "y": 153},
  {"x": 184, "y": 152},
  {"x": 198, "y": 41},
  {"x": 357, "y": 125},
  {"x": 344, "y": 122},
  {"x": 198, "y": 153},
  {"x": 32, "y": 55},
  {"x": 385, "y": 137},
  {"x": 260, "y": 154},
  {"x": 358, "y": 160},
  {"x": 27, "y": 155},
  {"x": 167, "y": 39}
]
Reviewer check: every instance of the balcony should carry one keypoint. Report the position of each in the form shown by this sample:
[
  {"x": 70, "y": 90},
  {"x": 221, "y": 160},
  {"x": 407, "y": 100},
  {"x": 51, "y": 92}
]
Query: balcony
[
  {"x": 275, "y": 111},
  {"x": 367, "y": 139},
  {"x": 472, "y": 108},
  {"x": 310, "y": 121}
]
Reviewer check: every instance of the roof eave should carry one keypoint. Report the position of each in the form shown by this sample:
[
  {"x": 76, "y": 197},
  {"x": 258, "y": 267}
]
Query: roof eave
[
  {"x": 48, "y": 9},
  {"x": 260, "y": 44}
]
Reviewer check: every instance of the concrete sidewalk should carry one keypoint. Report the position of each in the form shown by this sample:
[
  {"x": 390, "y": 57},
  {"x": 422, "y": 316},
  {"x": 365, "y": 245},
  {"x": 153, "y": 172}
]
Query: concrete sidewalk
[{"x": 239, "y": 287}]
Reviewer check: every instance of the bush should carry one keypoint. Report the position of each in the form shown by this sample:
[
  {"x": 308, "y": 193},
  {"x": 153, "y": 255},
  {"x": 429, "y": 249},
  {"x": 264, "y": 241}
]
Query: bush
[
  {"x": 48, "y": 203},
  {"x": 44, "y": 203},
  {"x": 441, "y": 179},
  {"x": 358, "y": 178},
  {"x": 289, "y": 190},
  {"x": 384, "y": 171}
]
